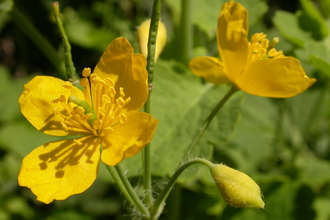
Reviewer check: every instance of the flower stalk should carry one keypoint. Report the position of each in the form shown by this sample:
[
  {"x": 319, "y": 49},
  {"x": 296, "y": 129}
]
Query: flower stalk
[
  {"x": 130, "y": 191},
  {"x": 206, "y": 123},
  {"x": 160, "y": 202},
  {"x": 69, "y": 66},
  {"x": 150, "y": 68},
  {"x": 186, "y": 31}
]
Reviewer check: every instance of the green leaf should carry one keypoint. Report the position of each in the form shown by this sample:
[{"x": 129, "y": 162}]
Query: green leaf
[
  {"x": 312, "y": 20},
  {"x": 29, "y": 138},
  {"x": 321, "y": 206},
  {"x": 5, "y": 7},
  {"x": 320, "y": 64},
  {"x": 280, "y": 202},
  {"x": 10, "y": 90},
  {"x": 318, "y": 53},
  {"x": 205, "y": 13},
  {"x": 314, "y": 172},
  {"x": 256, "y": 9},
  {"x": 181, "y": 103},
  {"x": 288, "y": 26},
  {"x": 252, "y": 142}
]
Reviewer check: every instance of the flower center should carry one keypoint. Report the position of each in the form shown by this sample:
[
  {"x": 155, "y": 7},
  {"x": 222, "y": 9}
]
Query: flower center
[
  {"x": 102, "y": 109},
  {"x": 260, "y": 48}
]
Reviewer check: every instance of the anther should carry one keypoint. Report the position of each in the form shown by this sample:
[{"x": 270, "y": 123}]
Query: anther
[
  {"x": 258, "y": 37},
  {"x": 86, "y": 72},
  {"x": 121, "y": 91},
  {"x": 67, "y": 85},
  {"x": 97, "y": 124},
  {"x": 274, "y": 53},
  {"x": 274, "y": 42},
  {"x": 106, "y": 98},
  {"x": 121, "y": 102},
  {"x": 122, "y": 118},
  {"x": 128, "y": 100}
]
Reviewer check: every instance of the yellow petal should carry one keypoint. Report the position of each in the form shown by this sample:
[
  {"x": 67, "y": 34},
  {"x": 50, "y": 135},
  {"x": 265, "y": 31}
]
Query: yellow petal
[
  {"x": 57, "y": 170},
  {"x": 127, "y": 70},
  {"x": 232, "y": 38},
  {"x": 128, "y": 139},
  {"x": 37, "y": 104},
  {"x": 278, "y": 78},
  {"x": 210, "y": 68}
]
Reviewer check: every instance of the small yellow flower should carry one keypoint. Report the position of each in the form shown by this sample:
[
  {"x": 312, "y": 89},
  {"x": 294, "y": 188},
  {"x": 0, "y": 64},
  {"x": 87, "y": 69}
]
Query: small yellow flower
[
  {"x": 254, "y": 67},
  {"x": 143, "y": 37},
  {"x": 104, "y": 119}
]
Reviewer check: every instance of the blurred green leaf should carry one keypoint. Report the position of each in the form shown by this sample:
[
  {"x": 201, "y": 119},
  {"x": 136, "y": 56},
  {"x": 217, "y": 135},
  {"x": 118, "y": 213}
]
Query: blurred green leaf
[
  {"x": 321, "y": 206},
  {"x": 256, "y": 9},
  {"x": 205, "y": 13},
  {"x": 10, "y": 90},
  {"x": 181, "y": 103},
  {"x": 84, "y": 33},
  {"x": 311, "y": 20},
  {"x": 320, "y": 64},
  {"x": 280, "y": 202},
  {"x": 17, "y": 206},
  {"x": 287, "y": 24},
  {"x": 70, "y": 214},
  {"x": 5, "y": 7},
  {"x": 314, "y": 172},
  {"x": 324, "y": 7},
  {"x": 29, "y": 138},
  {"x": 252, "y": 142}
]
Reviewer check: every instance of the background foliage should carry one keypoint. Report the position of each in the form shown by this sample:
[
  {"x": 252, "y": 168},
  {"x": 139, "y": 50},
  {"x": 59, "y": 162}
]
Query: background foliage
[{"x": 283, "y": 144}]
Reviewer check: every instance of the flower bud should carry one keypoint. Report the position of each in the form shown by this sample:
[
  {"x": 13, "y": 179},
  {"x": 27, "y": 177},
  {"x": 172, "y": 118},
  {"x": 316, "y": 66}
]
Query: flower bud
[
  {"x": 237, "y": 189},
  {"x": 143, "y": 36}
]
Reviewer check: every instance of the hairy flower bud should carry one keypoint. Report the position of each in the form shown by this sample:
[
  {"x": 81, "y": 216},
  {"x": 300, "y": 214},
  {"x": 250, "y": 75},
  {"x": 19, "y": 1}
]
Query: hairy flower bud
[
  {"x": 143, "y": 36},
  {"x": 237, "y": 188}
]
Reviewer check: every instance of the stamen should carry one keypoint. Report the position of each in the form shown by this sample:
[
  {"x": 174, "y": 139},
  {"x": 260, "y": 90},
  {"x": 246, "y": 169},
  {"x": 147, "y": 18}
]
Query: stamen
[
  {"x": 273, "y": 53},
  {"x": 86, "y": 107},
  {"x": 122, "y": 118},
  {"x": 86, "y": 72},
  {"x": 121, "y": 102},
  {"x": 121, "y": 91},
  {"x": 67, "y": 85}
]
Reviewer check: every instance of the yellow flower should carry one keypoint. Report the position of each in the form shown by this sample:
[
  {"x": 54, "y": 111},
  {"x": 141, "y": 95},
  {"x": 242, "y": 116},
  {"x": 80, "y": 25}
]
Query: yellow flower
[
  {"x": 104, "y": 119},
  {"x": 254, "y": 67}
]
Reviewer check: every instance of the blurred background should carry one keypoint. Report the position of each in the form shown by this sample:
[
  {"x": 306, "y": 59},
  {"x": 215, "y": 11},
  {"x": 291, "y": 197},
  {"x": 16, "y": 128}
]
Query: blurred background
[{"x": 283, "y": 144}]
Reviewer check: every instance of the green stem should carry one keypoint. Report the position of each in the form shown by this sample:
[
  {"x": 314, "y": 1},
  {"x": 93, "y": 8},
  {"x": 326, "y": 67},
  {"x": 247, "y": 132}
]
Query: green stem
[
  {"x": 36, "y": 37},
  {"x": 150, "y": 68},
  {"x": 186, "y": 32},
  {"x": 152, "y": 39},
  {"x": 134, "y": 198},
  {"x": 69, "y": 66},
  {"x": 160, "y": 202},
  {"x": 119, "y": 183},
  {"x": 206, "y": 123},
  {"x": 146, "y": 164}
]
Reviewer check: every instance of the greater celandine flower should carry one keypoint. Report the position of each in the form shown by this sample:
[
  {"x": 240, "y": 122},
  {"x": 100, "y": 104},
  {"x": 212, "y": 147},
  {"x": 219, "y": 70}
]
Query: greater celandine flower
[
  {"x": 254, "y": 67},
  {"x": 104, "y": 120}
]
